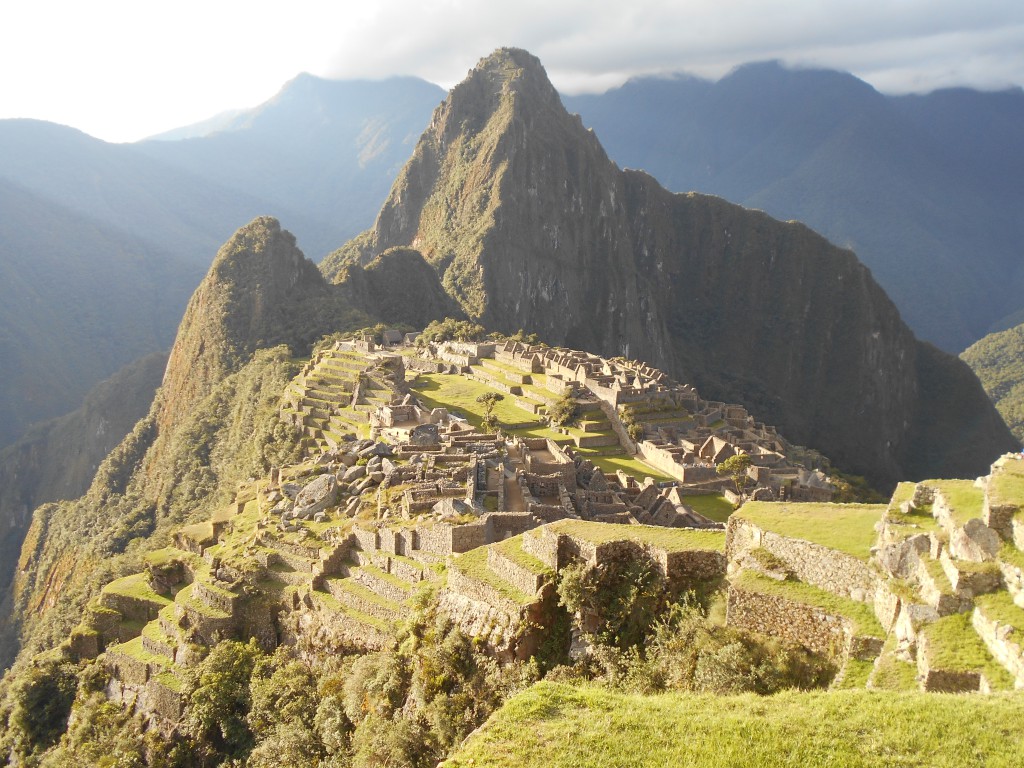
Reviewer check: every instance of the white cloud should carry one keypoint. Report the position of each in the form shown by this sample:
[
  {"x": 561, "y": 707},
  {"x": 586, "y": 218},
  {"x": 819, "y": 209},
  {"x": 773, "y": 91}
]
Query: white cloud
[{"x": 122, "y": 69}]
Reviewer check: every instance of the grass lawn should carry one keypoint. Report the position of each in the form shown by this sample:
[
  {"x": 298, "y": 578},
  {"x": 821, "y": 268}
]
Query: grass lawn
[
  {"x": 561, "y": 726},
  {"x": 964, "y": 499},
  {"x": 631, "y": 466},
  {"x": 669, "y": 539},
  {"x": 474, "y": 565},
  {"x": 458, "y": 394},
  {"x": 1007, "y": 484},
  {"x": 712, "y": 506},
  {"x": 137, "y": 586},
  {"x": 849, "y": 528},
  {"x": 953, "y": 644},
  {"x": 513, "y": 549}
]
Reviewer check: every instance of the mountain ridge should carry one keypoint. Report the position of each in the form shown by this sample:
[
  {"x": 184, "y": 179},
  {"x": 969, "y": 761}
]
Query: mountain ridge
[{"x": 529, "y": 225}]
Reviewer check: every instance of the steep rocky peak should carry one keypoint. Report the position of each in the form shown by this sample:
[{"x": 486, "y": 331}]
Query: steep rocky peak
[
  {"x": 243, "y": 303},
  {"x": 508, "y": 82}
]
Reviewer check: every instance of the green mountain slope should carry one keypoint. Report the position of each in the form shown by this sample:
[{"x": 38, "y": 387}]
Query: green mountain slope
[
  {"x": 58, "y": 459},
  {"x": 998, "y": 360}
]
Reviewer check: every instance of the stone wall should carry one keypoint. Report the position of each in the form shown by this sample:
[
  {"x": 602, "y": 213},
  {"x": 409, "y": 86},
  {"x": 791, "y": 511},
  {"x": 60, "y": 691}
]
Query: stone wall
[
  {"x": 805, "y": 625},
  {"x": 825, "y": 568},
  {"x": 131, "y": 608},
  {"x": 1004, "y": 642},
  {"x": 523, "y": 579}
]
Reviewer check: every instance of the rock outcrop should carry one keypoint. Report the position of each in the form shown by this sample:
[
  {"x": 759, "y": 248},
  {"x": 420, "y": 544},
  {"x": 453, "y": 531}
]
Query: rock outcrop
[{"x": 528, "y": 224}]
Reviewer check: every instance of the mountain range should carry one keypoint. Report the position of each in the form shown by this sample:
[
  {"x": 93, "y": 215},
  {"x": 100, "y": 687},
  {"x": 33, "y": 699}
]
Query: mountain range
[{"x": 925, "y": 190}]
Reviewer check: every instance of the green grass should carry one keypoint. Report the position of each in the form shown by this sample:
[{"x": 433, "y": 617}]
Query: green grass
[
  {"x": 855, "y": 675},
  {"x": 382, "y": 575},
  {"x": 631, "y": 466},
  {"x": 938, "y": 574},
  {"x": 964, "y": 499},
  {"x": 849, "y": 528},
  {"x": 331, "y": 603},
  {"x": 353, "y": 587},
  {"x": 134, "y": 649},
  {"x": 184, "y": 597},
  {"x": 1007, "y": 484},
  {"x": 952, "y": 644},
  {"x": 474, "y": 565},
  {"x": 1012, "y": 555},
  {"x": 669, "y": 539},
  {"x": 458, "y": 394},
  {"x": 512, "y": 548},
  {"x": 892, "y": 674},
  {"x": 137, "y": 586},
  {"x": 1000, "y": 606},
  {"x": 713, "y": 507},
  {"x": 862, "y": 615},
  {"x": 560, "y": 726}
]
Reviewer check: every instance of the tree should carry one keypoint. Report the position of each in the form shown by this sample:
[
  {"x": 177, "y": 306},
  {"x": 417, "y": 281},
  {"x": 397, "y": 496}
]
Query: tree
[
  {"x": 489, "y": 400},
  {"x": 565, "y": 411},
  {"x": 736, "y": 466}
]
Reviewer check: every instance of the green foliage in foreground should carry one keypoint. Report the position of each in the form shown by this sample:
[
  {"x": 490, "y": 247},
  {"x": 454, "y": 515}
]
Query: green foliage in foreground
[{"x": 558, "y": 726}]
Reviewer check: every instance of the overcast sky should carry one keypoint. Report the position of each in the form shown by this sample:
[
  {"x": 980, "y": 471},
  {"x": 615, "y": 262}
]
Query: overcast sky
[{"x": 125, "y": 69}]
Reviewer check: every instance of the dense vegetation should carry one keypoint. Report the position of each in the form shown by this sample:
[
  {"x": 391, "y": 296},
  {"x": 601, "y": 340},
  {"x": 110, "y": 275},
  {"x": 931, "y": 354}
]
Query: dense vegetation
[
  {"x": 998, "y": 359},
  {"x": 75, "y": 547},
  {"x": 408, "y": 705}
]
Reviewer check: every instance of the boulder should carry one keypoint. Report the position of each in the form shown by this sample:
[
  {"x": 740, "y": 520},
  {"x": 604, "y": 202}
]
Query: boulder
[
  {"x": 387, "y": 466},
  {"x": 975, "y": 542},
  {"x": 291, "y": 490},
  {"x": 317, "y": 496},
  {"x": 383, "y": 449},
  {"x": 424, "y": 435},
  {"x": 348, "y": 458},
  {"x": 353, "y": 473},
  {"x": 320, "y": 517}
]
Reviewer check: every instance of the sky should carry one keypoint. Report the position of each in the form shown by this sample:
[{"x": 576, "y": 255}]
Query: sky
[{"x": 122, "y": 70}]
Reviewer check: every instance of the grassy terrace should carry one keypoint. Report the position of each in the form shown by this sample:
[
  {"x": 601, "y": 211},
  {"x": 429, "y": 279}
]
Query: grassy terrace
[
  {"x": 513, "y": 549},
  {"x": 331, "y": 603},
  {"x": 1000, "y": 606},
  {"x": 712, "y": 506},
  {"x": 954, "y": 645},
  {"x": 892, "y": 674},
  {"x": 561, "y": 726},
  {"x": 1007, "y": 485},
  {"x": 137, "y": 586},
  {"x": 963, "y": 498},
  {"x": 669, "y": 539},
  {"x": 184, "y": 597},
  {"x": 861, "y": 614},
  {"x": 849, "y": 528},
  {"x": 134, "y": 649},
  {"x": 631, "y": 466},
  {"x": 474, "y": 565}
]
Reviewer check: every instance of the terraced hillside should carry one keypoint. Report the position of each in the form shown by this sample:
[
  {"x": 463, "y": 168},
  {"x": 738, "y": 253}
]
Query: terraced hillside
[{"x": 925, "y": 592}]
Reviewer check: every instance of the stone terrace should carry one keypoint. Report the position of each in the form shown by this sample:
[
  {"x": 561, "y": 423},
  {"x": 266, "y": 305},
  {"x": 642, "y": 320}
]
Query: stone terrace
[{"x": 930, "y": 587}]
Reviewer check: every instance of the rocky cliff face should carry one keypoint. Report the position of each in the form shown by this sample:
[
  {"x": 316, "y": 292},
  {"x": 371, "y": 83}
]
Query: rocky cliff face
[{"x": 528, "y": 224}]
